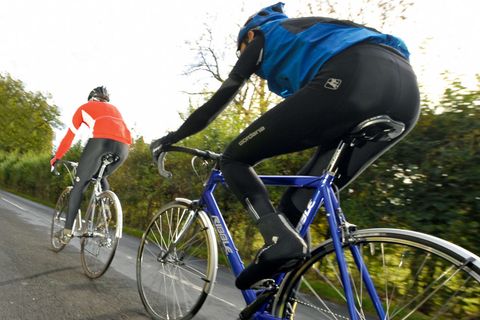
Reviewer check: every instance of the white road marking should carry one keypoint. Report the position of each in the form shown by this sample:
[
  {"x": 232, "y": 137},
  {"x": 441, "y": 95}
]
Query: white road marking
[
  {"x": 14, "y": 204},
  {"x": 225, "y": 301}
]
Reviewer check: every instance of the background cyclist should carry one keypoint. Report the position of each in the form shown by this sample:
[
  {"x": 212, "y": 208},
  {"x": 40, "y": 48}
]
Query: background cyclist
[
  {"x": 110, "y": 135},
  {"x": 333, "y": 74}
]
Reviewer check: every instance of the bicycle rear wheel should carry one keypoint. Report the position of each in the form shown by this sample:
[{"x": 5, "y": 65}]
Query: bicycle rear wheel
[
  {"x": 58, "y": 219},
  {"x": 416, "y": 276},
  {"x": 175, "y": 279},
  {"x": 104, "y": 229}
]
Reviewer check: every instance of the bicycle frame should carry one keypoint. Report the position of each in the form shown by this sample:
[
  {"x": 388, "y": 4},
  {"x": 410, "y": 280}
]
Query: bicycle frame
[
  {"x": 338, "y": 226},
  {"x": 97, "y": 190}
]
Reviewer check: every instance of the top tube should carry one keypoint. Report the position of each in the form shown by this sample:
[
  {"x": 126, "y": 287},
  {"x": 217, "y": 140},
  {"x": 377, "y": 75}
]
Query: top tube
[{"x": 271, "y": 180}]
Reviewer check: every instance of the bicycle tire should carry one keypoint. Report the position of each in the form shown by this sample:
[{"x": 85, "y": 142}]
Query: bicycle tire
[
  {"x": 175, "y": 285},
  {"x": 443, "y": 280},
  {"x": 58, "y": 219},
  {"x": 104, "y": 230}
]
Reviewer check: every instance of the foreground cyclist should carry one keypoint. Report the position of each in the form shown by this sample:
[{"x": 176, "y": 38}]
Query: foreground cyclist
[
  {"x": 110, "y": 135},
  {"x": 333, "y": 75}
]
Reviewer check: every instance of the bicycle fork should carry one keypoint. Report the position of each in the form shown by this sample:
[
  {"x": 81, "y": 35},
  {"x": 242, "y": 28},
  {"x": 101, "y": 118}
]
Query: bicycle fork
[{"x": 190, "y": 218}]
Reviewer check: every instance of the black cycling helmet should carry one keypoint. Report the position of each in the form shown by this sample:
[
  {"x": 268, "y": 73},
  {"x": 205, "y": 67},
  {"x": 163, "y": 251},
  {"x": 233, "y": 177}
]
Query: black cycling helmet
[
  {"x": 100, "y": 94},
  {"x": 271, "y": 13}
]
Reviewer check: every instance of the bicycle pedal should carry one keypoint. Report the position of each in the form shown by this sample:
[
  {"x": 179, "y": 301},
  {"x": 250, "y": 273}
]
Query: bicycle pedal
[
  {"x": 264, "y": 284},
  {"x": 86, "y": 235}
]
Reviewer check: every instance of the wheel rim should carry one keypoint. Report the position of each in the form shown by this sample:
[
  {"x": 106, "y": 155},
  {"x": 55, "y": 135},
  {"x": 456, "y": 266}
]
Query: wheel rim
[
  {"x": 99, "y": 245},
  {"x": 413, "y": 281},
  {"x": 172, "y": 284},
  {"x": 58, "y": 220}
]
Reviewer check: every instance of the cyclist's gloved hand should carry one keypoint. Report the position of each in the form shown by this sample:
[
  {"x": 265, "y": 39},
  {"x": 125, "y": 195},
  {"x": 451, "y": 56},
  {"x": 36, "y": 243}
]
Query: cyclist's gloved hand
[
  {"x": 52, "y": 164},
  {"x": 157, "y": 146}
]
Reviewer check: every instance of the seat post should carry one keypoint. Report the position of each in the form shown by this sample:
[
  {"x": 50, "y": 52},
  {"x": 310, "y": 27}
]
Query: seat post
[{"x": 333, "y": 165}]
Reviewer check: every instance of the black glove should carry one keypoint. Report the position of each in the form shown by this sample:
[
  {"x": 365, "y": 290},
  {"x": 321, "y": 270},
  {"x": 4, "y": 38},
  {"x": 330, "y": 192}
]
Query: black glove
[
  {"x": 53, "y": 161},
  {"x": 157, "y": 146}
]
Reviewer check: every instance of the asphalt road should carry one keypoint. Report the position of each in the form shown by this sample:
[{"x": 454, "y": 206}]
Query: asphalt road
[{"x": 37, "y": 283}]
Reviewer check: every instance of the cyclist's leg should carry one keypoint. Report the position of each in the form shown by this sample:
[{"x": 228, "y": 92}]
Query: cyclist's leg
[
  {"x": 317, "y": 115},
  {"x": 89, "y": 164},
  {"x": 272, "y": 134},
  {"x": 288, "y": 127},
  {"x": 119, "y": 149}
]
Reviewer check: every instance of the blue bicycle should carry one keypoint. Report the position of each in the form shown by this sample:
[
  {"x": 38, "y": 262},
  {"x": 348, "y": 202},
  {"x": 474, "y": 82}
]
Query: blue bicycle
[{"x": 356, "y": 274}]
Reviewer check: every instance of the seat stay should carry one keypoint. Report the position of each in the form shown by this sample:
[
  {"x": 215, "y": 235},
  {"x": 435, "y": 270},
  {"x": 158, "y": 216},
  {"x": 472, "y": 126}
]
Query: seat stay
[
  {"x": 338, "y": 227},
  {"x": 357, "y": 257},
  {"x": 331, "y": 204}
]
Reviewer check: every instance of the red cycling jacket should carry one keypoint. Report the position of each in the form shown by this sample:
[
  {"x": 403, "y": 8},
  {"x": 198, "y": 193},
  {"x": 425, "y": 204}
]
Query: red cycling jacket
[{"x": 103, "y": 119}]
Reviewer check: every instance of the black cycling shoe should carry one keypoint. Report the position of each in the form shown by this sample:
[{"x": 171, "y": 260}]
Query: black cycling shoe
[{"x": 284, "y": 250}]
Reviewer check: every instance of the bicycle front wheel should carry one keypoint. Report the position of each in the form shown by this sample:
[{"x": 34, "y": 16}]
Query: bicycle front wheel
[
  {"x": 416, "y": 276},
  {"x": 103, "y": 231},
  {"x": 176, "y": 262},
  {"x": 58, "y": 219}
]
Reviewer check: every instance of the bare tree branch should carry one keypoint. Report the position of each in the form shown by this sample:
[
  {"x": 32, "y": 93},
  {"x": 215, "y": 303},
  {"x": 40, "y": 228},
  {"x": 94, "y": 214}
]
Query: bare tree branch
[{"x": 255, "y": 98}]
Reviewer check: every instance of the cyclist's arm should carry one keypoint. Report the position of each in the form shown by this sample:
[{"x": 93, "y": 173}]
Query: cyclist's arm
[
  {"x": 67, "y": 140},
  {"x": 246, "y": 65}
]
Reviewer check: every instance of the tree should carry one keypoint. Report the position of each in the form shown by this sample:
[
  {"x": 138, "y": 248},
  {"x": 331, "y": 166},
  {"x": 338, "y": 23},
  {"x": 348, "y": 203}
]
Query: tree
[
  {"x": 27, "y": 120},
  {"x": 380, "y": 14},
  {"x": 429, "y": 182},
  {"x": 254, "y": 98}
]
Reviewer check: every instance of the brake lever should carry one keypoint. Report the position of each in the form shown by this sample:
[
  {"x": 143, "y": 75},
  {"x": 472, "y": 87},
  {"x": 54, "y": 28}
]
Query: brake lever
[
  {"x": 161, "y": 166},
  {"x": 54, "y": 171}
]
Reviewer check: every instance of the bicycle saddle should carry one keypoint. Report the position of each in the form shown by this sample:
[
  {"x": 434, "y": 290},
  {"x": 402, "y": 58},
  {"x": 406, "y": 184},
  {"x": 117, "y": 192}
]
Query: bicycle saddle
[
  {"x": 379, "y": 128},
  {"x": 110, "y": 158}
]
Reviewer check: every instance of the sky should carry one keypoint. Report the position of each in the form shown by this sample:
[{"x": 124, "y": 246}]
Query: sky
[{"x": 140, "y": 49}]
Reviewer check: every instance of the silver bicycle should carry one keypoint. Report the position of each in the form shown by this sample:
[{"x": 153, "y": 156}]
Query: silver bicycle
[{"x": 99, "y": 229}]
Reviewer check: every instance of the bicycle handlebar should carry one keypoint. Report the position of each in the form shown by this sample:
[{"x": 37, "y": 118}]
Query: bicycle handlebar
[
  {"x": 70, "y": 163},
  {"x": 67, "y": 163},
  {"x": 205, "y": 154}
]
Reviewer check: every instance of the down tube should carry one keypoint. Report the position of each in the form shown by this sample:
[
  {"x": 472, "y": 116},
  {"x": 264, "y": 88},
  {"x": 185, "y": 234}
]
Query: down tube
[{"x": 228, "y": 245}]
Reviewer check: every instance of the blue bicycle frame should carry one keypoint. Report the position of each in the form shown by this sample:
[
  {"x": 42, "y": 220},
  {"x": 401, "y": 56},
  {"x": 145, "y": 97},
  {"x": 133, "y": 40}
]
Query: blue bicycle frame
[{"x": 338, "y": 226}]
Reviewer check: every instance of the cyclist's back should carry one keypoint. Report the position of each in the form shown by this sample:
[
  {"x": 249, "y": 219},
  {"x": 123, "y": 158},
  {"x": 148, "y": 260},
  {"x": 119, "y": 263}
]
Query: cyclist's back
[{"x": 102, "y": 118}]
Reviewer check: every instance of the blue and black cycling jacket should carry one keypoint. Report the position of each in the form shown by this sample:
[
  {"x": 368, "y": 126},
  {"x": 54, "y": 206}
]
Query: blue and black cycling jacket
[
  {"x": 288, "y": 53},
  {"x": 295, "y": 49}
]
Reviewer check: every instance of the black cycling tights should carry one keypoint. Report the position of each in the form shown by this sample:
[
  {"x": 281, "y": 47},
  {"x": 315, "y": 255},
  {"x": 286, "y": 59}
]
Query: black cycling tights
[
  {"x": 364, "y": 81},
  {"x": 89, "y": 165}
]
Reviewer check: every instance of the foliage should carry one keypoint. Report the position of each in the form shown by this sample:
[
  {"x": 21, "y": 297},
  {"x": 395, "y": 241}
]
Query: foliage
[
  {"x": 29, "y": 173},
  {"x": 137, "y": 185},
  {"x": 27, "y": 118},
  {"x": 428, "y": 182},
  {"x": 379, "y": 14}
]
